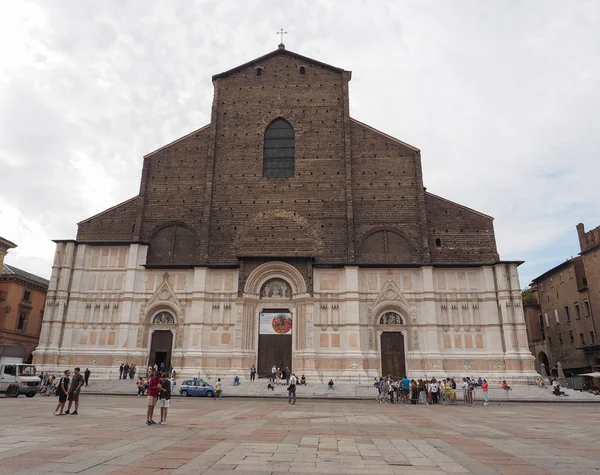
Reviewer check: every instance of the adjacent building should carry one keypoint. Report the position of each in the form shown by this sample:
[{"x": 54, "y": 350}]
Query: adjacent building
[
  {"x": 286, "y": 232},
  {"x": 563, "y": 324},
  {"x": 22, "y": 303}
]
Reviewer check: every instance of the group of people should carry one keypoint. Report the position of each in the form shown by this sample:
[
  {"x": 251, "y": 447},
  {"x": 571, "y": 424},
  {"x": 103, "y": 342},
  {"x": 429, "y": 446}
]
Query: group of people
[
  {"x": 50, "y": 387},
  {"x": 127, "y": 370},
  {"x": 68, "y": 389},
  {"x": 159, "y": 392},
  {"x": 427, "y": 391}
]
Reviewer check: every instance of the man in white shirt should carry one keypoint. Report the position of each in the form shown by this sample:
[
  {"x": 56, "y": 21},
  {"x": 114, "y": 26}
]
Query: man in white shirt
[
  {"x": 434, "y": 391},
  {"x": 292, "y": 389}
]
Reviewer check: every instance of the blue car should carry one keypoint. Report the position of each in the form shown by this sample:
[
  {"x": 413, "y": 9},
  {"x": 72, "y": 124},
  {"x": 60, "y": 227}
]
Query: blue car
[{"x": 196, "y": 387}]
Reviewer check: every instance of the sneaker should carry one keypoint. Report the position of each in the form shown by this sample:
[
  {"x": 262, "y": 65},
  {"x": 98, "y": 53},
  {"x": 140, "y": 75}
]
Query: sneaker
[
  {"x": 74, "y": 413},
  {"x": 148, "y": 423},
  {"x": 162, "y": 423},
  {"x": 66, "y": 412},
  {"x": 152, "y": 422},
  {"x": 57, "y": 413}
]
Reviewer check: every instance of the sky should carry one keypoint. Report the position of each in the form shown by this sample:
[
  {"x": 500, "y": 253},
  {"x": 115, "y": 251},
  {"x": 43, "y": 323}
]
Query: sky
[{"x": 501, "y": 97}]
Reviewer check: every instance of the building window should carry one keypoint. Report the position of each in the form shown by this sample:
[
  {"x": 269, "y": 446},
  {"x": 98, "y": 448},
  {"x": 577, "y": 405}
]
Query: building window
[
  {"x": 582, "y": 338},
  {"x": 27, "y": 296},
  {"x": 278, "y": 151},
  {"x": 586, "y": 307},
  {"x": 560, "y": 340},
  {"x": 577, "y": 311},
  {"x": 259, "y": 71},
  {"x": 556, "y": 316},
  {"x": 22, "y": 322},
  {"x": 571, "y": 336},
  {"x": 302, "y": 70},
  {"x": 567, "y": 314},
  {"x": 438, "y": 242},
  {"x": 546, "y": 318}
]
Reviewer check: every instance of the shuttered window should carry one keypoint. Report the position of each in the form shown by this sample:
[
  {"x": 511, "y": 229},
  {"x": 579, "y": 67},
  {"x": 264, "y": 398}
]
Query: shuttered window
[{"x": 278, "y": 152}]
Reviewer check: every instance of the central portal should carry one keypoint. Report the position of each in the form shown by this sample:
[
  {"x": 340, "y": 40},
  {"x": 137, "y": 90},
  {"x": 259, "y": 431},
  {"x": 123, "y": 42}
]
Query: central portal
[
  {"x": 392, "y": 355},
  {"x": 274, "y": 340},
  {"x": 161, "y": 349}
]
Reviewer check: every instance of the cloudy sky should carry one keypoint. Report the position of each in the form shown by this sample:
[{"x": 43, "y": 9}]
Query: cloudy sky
[{"x": 502, "y": 98}]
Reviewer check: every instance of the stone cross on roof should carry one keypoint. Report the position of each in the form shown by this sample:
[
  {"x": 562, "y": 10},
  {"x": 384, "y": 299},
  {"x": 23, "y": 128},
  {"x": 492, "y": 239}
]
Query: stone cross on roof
[{"x": 281, "y": 33}]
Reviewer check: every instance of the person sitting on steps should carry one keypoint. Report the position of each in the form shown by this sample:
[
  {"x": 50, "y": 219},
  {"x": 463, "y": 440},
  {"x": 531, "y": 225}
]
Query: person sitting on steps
[{"x": 330, "y": 384}]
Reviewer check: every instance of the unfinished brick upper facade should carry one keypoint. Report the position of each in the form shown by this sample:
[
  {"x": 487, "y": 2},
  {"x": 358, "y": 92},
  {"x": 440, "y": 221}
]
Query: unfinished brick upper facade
[
  {"x": 357, "y": 195},
  {"x": 284, "y": 204}
]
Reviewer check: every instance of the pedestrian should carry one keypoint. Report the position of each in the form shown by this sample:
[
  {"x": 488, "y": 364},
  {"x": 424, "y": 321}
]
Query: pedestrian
[
  {"x": 484, "y": 388},
  {"x": 86, "y": 375},
  {"x": 76, "y": 384},
  {"x": 405, "y": 383},
  {"x": 165, "y": 398},
  {"x": 273, "y": 373},
  {"x": 292, "y": 389},
  {"x": 288, "y": 374},
  {"x": 218, "y": 389},
  {"x": 121, "y": 368},
  {"x": 434, "y": 391},
  {"x": 383, "y": 393},
  {"x": 62, "y": 391},
  {"x": 152, "y": 397},
  {"x": 132, "y": 371},
  {"x": 141, "y": 386},
  {"x": 126, "y": 371},
  {"x": 252, "y": 373}
]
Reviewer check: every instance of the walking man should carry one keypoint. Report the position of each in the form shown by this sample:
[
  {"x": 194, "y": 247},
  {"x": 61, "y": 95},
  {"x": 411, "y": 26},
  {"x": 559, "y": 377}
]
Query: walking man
[
  {"x": 62, "y": 391},
  {"x": 292, "y": 389},
  {"x": 76, "y": 384},
  {"x": 218, "y": 389},
  {"x": 152, "y": 397},
  {"x": 86, "y": 375},
  {"x": 252, "y": 373}
]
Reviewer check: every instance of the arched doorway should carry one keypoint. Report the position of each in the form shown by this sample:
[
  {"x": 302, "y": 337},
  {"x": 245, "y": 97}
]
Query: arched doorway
[
  {"x": 161, "y": 343},
  {"x": 274, "y": 328},
  {"x": 542, "y": 359},
  {"x": 393, "y": 358}
]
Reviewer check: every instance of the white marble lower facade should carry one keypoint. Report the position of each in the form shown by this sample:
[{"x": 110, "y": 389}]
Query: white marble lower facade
[{"x": 102, "y": 308}]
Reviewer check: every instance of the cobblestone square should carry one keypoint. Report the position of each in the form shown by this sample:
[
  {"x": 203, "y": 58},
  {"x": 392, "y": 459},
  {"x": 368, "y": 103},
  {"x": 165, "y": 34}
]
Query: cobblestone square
[{"x": 259, "y": 436}]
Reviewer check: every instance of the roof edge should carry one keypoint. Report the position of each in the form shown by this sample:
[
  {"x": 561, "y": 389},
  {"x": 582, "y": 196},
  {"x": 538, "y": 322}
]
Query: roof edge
[
  {"x": 274, "y": 53},
  {"x": 553, "y": 269},
  {"x": 458, "y": 204},
  {"x": 377, "y": 131},
  {"x": 109, "y": 209},
  {"x": 176, "y": 140}
]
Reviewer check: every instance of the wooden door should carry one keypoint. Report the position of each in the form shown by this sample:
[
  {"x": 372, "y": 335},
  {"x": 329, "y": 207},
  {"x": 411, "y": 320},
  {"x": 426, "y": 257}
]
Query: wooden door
[
  {"x": 160, "y": 348},
  {"x": 274, "y": 350},
  {"x": 392, "y": 355}
]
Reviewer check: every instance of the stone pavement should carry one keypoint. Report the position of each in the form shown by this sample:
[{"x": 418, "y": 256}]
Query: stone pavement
[{"x": 268, "y": 436}]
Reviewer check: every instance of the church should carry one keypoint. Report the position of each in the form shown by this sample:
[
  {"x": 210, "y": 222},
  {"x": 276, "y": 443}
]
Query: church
[{"x": 287, "y": 233}]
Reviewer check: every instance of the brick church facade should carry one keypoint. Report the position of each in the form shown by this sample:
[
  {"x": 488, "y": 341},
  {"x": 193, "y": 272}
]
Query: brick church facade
[{"x": 286, "y": 232}]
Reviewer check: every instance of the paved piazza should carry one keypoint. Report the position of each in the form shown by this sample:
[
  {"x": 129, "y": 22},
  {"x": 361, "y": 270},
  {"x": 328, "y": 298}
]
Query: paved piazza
[{"x": 259, "y": 436}]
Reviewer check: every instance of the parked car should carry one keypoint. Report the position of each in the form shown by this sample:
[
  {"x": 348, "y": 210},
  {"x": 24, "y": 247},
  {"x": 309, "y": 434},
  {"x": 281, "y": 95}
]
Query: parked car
[{"x": 196, "y": 387}]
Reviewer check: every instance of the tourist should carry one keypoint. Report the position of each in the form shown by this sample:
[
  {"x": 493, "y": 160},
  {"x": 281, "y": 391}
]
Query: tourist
[
  {"x": 383, "y": 390},
  {"x": 278, "y": 375},
  {"x": 141, "y": 386},
  {"x": 218, "y": 389},
  {"x": 330, "y": 384},
  {"x": 505, "y": 385},
  {"x": 252, "y": 373},
  {"x": 121, "y": 368},
  {"x": 287, "y": 374},
  {"x": 76, "y": 384},
  {"x": 405, "y": 384},
  {"x": 236, "y": 380},
  {"x": 303, "y": 380},
  {"x": 470, "y": 388},
  {"x": 63, "y": 389},
  {"x": 126, "y": 371},
  {"x": 434, "y": 391},
  {"x": 422, "y": 390},
  {"x": 86, "y": 375},
  {"x": 152, "y": 397},
  {"x": 479, "y": 382},
  {"x": 453, "y": 384},
  {"x": 292, "y": 389},
  {"x": 132, "y": 371},
  {"x": 164, "y": 398},
  {"x": 484, "y": 388},
  {"x": 273, "y": 373}
]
